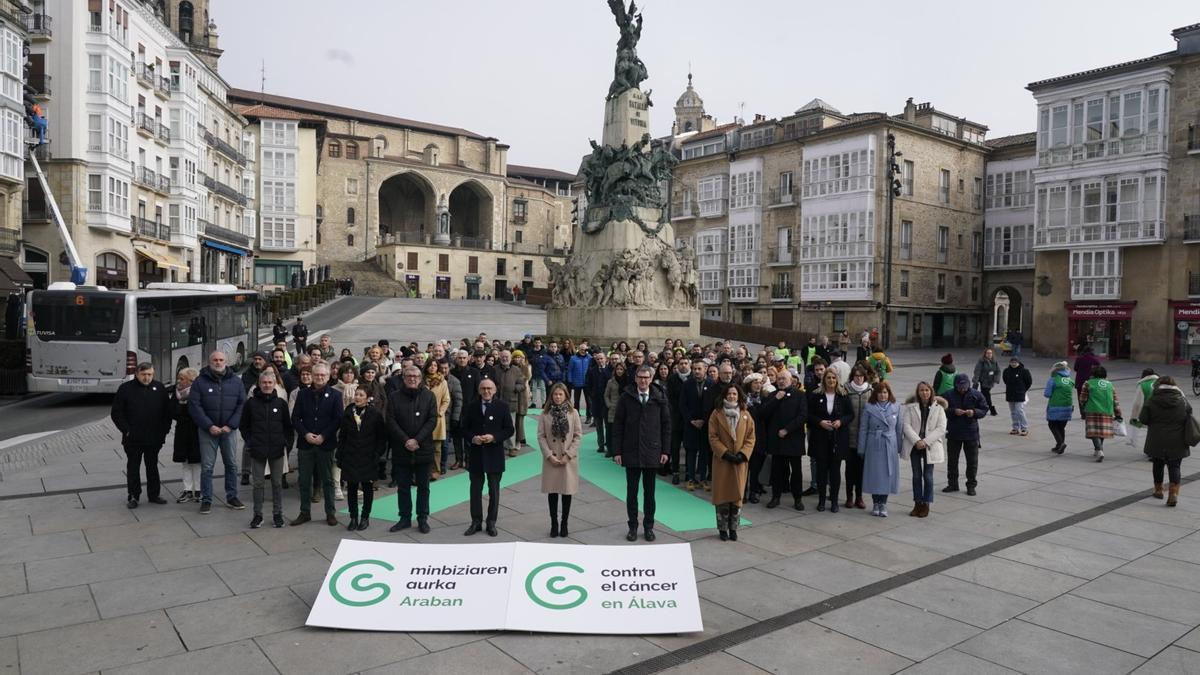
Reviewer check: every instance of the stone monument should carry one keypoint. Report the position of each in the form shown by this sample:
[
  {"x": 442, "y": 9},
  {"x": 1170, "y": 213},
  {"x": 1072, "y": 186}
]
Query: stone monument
[{"x": 625, "y": 279}]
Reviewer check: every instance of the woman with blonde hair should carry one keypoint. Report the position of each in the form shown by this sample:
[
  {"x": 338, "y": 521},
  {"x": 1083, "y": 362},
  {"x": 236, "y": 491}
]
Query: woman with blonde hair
[
  {"x": 731, "y": 437},
  {"x": 559, "y": 434},
  {"x": 924, "y": 428},
  {"x": 186, "y": 450},
  {"x": 441, "y": 393}
]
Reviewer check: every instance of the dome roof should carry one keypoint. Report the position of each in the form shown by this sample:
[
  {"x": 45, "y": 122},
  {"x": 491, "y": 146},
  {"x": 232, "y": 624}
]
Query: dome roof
[
  {"x": 689, "y": 98},
  {"x": 818, "y": 104}
]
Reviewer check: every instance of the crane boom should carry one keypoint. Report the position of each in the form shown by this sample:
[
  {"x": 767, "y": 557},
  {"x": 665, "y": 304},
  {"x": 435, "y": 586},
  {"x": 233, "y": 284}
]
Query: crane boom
[{"x": 78, "y": 271}]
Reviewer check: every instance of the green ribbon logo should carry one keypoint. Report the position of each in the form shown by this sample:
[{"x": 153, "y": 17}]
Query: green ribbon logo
[
  {"x": 357, "y": 584},
  {"x": 552, "y": 586}
]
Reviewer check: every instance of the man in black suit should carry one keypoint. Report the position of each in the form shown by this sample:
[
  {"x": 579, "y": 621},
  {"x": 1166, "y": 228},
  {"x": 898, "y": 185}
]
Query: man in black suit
[
  {"x": 641, "y": 434},
  {"x": 486, "y": 424}
]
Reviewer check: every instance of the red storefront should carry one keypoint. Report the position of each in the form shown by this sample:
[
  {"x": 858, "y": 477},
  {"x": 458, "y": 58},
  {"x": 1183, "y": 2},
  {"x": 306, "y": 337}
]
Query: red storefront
[
  {"x": 1103, "y": 325},
  {"x": 1186, "y": 340}
]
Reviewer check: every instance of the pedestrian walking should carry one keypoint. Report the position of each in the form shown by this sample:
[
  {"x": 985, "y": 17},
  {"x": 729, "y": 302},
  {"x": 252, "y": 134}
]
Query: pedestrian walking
[
  {"x": 966, "y": 407},
  {"x": 829, "y": 417},
  {"x": 487, "y": 424},
  {"x": 215, "y": 404},
  {"x": 858, "y": 393},
  {"x": 1145, "y": 389},
  {"x": 411, "y": 419},
  {"x": 559, "y": 434},
  {"x": 1166, "y": 416},
  {"x": 731, "y": 435},
  {"x": 879, "y": 443},
  {"x": 362, "y": 437},
  {"x": 1101, "y": 409},
  {"x": 987, "y": 371},
  {"x": 641, "y": 433},
  {"x": 1084, "y": 363},
  {"x": 316, "y": 418},
  {"x": 924, "y": 428},
  {"x": 266, "y": 429},
  {"x": 142, "y": 412},
  {"x": 1059, "y": 407},
  {"x": 1017, "y": 382},
  {"x": 186, "y": 451}
]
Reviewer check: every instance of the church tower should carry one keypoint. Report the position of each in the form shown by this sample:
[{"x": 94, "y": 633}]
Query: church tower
[
  {"x": 689, "y": 111},
  {"x": 189, "y": 20}
]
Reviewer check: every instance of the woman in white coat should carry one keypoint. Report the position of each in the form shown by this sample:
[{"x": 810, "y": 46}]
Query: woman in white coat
[{"x": 924, "y": 427}]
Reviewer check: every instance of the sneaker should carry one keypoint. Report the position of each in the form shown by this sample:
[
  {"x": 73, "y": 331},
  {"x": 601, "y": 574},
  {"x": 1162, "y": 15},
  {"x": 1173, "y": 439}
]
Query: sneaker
[
  {"x": 185, "y": 496},
  {"x": 875, "y": 509},
  {"x": 1024, "y": 432},
  {"x": 235, "y": 504},
  {"x": 691, "y": 486},
  {"x": 131, "y": 503},
  {"x": 256, "y": 521},
  {"x": 1099, "y": 455},
  {"x": 245, "y": 479},
  {"x": 205, "y": 508},
  {"x": 338, "y": 495},
  {"x": 707, "y": 485},
  {"x": 156, "y": 500},
  {"x": 1014, "y": 432},
  {"x": 277, "y": 520},
  {"x": 883, "y": 507}
]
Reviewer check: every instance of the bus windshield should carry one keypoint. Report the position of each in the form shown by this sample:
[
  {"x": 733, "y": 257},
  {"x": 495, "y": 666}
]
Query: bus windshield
[{"x": 78, "y": 317}]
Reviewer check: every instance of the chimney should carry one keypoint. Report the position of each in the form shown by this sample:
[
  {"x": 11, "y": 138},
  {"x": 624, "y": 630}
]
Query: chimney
[
  {"x": 759, "y": 118},
  {"x": 910, "y": 111},
  {"x": 1187, "y": 39}
]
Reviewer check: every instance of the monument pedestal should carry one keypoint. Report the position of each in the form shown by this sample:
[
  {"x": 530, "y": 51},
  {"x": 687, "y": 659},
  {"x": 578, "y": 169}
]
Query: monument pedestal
[{"x": 607, "y": 325}]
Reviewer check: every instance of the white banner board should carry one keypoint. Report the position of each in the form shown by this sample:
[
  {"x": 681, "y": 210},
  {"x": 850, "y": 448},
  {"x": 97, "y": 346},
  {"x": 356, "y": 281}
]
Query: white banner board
[{"x": 512, "y": 586}]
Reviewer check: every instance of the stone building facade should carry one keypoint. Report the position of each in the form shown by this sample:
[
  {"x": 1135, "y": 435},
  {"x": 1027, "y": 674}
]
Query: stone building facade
[
  {"x": 16, "y": 27},
  {"x": 388, "y": 187},
  {"x": 1008, "y": 257},
  {"x": 1117, "y": 208},
  {"x": 788, "y": 218}
]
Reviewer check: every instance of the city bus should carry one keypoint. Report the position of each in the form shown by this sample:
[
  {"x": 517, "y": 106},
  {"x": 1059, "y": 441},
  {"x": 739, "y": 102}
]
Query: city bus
[{"x": 90, "y": 339}]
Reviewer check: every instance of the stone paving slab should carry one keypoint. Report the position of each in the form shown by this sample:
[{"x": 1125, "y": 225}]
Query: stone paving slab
[
  {"x": 243, "y": 658},
  {"x": 87, "y": 569},
  {"x": 474, "y": 657},
  {"x": 215, "y": 622},
  {"x": 46, "y": 609},
  {"x": 901, "y": 629},
  {"x": 954, "y": 661},
  {"x": 1113, "y": 626},
  {"x": 720, "y": 663},
  {"x": 284, "y": 569},
  {"x": 1016, "y": 578},
  {"x": 956, "y": 599},
  {"x": 98, "y": 645},
  {"x": 757, "y": 594},
  {"x": 809, "y": 648},
  {"x": 43, "y": 547},
  {"x": 1171, "y": 661},
  {"x": 298, "y": 650},
  {"x": 545, "y": 653},
  {"x": 1062, "y": 559},
  {"x": 135, "y": 595},
  {"x": 1168, "y": 602},
  {"x": 203, "y": 551},
  {"x": 12, "y": 579},
  {"x": 1032, "y": 649},
  {"x": 131, "y": 535}
]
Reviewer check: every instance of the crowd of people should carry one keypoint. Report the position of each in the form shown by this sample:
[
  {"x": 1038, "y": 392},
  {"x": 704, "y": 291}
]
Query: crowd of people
[{"x": 707, "y": 418}]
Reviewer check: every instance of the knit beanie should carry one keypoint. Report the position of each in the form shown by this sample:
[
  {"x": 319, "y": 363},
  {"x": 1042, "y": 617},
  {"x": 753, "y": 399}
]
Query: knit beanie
[{"x": 947, "y": 359}]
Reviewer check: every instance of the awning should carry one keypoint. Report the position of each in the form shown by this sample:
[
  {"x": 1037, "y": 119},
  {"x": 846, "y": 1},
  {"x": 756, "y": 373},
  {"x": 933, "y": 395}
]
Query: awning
[
  {"x": 225, "y": 247},
  {"x": 12, "y": 277},
  {"x": 163, "y": 259}
]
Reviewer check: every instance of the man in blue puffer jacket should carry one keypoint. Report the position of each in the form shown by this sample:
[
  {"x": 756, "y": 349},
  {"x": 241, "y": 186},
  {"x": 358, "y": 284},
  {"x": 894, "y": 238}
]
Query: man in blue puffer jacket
[
  {"x": 577, "y": 370},
  {"x": 552, "y": 366},
  {"x": 215, "y": 405}
]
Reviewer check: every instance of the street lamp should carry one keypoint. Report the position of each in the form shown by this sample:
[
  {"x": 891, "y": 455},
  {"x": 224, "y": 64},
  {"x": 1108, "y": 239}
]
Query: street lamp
[{"x": 894, "y": 190}]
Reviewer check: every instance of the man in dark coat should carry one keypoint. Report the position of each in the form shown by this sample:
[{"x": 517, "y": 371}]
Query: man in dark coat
[
  {"x": 785, "y": 412},
  {"x": 215, "y": 404},
  {"x": 300, "y": 335},
  {"x": 641, "y": 435},
  {"x": 486, "y": 425},
  {"x": 713, "y": 401},
  {"x": 675, "y": 384},
  {"x": 966, "y": 406},
  {"x": 267, "y": 431},
  {"x": 411, "y": 419},
  {"x": 258, "y": 363},
  {"x": 142, "y": 412},
  {"x": 597, "y": 381},
  {"x": 691, "y": 410},
  {"x": 316, "y": 418}
]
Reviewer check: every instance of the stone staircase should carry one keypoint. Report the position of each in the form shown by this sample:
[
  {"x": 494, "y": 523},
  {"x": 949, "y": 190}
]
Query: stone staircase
[{"x": 368, "y": 279}]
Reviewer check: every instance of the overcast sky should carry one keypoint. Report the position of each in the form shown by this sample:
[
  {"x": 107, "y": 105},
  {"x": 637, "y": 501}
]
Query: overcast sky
[{"x": 534, "y": 73}]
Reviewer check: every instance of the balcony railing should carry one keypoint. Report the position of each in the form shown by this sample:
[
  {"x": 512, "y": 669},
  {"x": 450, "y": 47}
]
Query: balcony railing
[
  {"x": 1108, "y": 288},
  {"x": 162, "y": 87},
  {"x": 781, "y": 197},
  {"x": 746, "y": 201},
  {"x": 146, "y": 75},
  {"x": 711, "y": 297},
  {"x": 712, "y": 208},
  {"x": 837, "y": 250},
  {"x": 781, "y": 255},
  {"x": 40, "y": 82},
  {"x": 1018, "y": 257},
  {"x": 38, "y": 25},
  {"x": 684, "y": 209},
  {"x": 223, "y": 190},
  {"x": 10, "y": 240},
  {"x": 148, "y": 228},
  {"x": 164, "y": 133},
  {"x": 1090, "y": 150},
  {"x": 225, "y": 234},
  {"x": 146, "y": 123},
  {"x": 1191, "y": 228},
  {"x": 519, "y": 219},
  {"x": 782, "y": 291},
  {"x": 1145, "y": 232},
  {"x": 224, "y": 148}
]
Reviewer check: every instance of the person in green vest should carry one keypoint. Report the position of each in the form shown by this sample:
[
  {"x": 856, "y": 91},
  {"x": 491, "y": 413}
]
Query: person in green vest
[
  {"x": 882, "y": 365},
  {"x": 1059, "y": 406},
  {"x": 795, "y": 361},
  {"x": 943, "y": 379},
  {"x": 1100, "y": 408},
  {"x": 1145, "y": 387},
  {"x": 810, "y": 350}
]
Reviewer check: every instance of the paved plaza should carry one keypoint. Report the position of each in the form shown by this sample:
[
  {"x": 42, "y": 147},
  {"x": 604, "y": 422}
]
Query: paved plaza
[{"x": 1058, "y": 565}]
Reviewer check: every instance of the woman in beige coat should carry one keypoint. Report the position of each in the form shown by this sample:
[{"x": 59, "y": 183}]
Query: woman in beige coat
[
  {"x": 923, "y": 422},
  {"x": 559, "y": 434},
  {"x": 441, "y": 394},
  {"x": 731, "y": 437}
]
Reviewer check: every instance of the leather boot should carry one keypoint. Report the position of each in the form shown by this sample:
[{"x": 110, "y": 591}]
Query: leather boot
[
  {"x": 773, "y": 502},
  {"x": 1158, "y": 491},
  {"x": 1172, "y": 494},
  {"x": 924, "y": 510},
  {"x": 916, "y": 510}
]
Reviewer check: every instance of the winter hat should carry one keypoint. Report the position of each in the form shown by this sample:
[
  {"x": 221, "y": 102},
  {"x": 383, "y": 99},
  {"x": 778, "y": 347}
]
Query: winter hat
[
  {"x": 948, "y": 359},
  {"x": 1061, "y": 365}
]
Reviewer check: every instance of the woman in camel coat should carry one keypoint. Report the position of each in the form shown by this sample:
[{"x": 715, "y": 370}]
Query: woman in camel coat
[
  {"x": 559, "y": 435},
  {"x": 731, "y": 437},
  {"x": 441, "y": 393}
]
